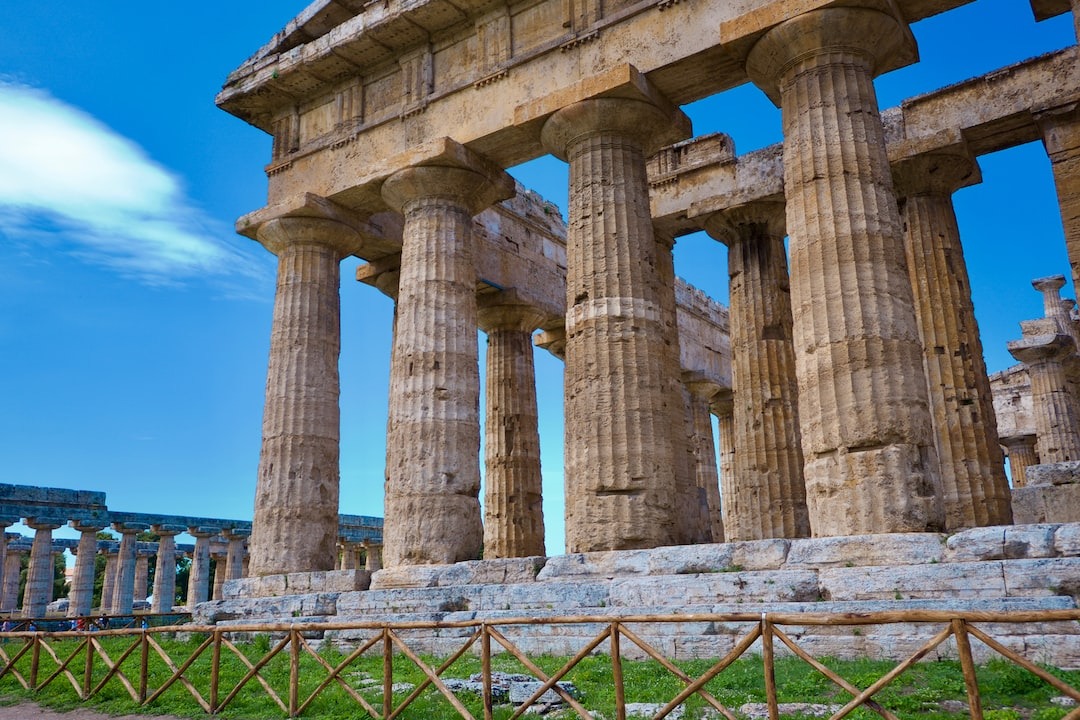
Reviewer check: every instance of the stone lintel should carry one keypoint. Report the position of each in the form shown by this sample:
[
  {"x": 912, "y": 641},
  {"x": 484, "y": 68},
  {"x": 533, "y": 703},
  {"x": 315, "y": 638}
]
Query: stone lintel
[
  {"x": 126, "y": 528},
  {"x": 46, "y": 496}
]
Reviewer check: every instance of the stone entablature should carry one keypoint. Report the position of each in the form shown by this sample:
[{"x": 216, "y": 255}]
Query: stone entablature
[{"x": 1012, "y": 401}]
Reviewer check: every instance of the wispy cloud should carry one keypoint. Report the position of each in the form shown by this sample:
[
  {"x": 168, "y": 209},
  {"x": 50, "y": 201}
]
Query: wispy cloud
[{"x": 69, "y": 181}]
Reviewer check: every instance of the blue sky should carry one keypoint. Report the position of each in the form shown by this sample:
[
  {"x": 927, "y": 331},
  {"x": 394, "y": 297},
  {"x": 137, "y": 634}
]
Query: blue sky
[{"x": 134, "y": 324}]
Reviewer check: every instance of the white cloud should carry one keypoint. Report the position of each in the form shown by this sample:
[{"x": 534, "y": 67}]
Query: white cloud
[{"x": 66, "y": 178}]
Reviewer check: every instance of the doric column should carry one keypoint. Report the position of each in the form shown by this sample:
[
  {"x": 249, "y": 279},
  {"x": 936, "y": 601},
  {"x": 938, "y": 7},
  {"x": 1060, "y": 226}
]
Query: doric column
[
  {"x": 619, "y": 460},
  {"x": 1021, "y": 454},
  {"x": 296, "y": 495},
  {"x": 513, "y": 510},
  {"x": 433, "y": 439},
  {"x": 12, "y": 570},
  {"x": 199, "y": 576},
  {"x": 706, "y": 475},
  {"x": 165, "y": 569},
  {"x": 867, "y": 438},
  {"x": 693, "y": 521},
  {"x": 4, "y": 536},
  {"x": 346, "y": 557},
  {"x": 975, "y": 490},
  {"x": 81, "y": 595},
  {"x": 1056, "y": 411},
  {"x": 124, "y": 587},
  {"x": 234, "y": 558},
  {"x": 39, "y": 576},
  {"x": 1054, "y": 307},
  {"x": 220, "y": 571},
  {"x": 1061, "y": 138},
  {"x": 768, "y": 497},
  {"x": 723, "y": 407},
  {"x": 108, "y": 583},
  {"x": 372, "y": 556},
  {"x": 142, "y": 576}
]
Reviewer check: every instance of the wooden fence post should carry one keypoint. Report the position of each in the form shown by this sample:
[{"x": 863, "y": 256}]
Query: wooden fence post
[
  {"x": 294, "y": 671},
  {"x": 617, "y": 674},
  {"x": 967, "y": 664},
  {"x": 768, "y": 660}
]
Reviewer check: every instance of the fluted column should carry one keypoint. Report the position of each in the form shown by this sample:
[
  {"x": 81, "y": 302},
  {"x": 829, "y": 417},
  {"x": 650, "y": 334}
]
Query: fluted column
[
  {"x": 234, "y": 558},
  {"x": 81, "y": 594},
  {"x": 199, "y": 576},
  {"x": 706, "y": 475},
  {"x": 108, "y": 583},
  {"x": 867, "y": 439},
  {"x": 1021, "y": 454},
  {"x": 39, "y": 575},
  {"x": 975, "y": 490},
  {"x": 1061, "y": 138},
  {"x": 768, "y": 497},
  {"x": 372, "y": 556},
  {"x": 433, "y": 439},
  {"x": 142, "y": 576},
  {"x": 1054, "y": 307},
  {"x": 513, "y": 497},
  {"x": 12, "y": 571},
  {"x": 296, "y": 495},
  {"x": 4, "y": 523},
  {"x": 723, "y": 407},
  {"x": 619, "y": 460},
  {"x": 1056, "y": 411},
  {"x": 124, "y": 586},
  {"x": 165, "y": 570},
  {"x": 220, "y": 571}
]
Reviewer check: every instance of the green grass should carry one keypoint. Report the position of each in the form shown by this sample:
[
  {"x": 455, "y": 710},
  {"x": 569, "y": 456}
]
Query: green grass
[{"x": 1008, "y": 691}]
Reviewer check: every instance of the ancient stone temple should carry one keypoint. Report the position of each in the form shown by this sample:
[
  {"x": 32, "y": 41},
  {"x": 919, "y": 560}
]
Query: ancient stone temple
[{"x": 847, "y": 374}]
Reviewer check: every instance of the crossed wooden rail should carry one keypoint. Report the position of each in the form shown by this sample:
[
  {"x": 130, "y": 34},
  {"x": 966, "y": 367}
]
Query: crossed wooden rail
[{"x": 90, "y": 656}]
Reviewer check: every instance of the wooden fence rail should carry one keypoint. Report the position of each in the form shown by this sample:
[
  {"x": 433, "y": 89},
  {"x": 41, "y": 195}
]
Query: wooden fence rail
[{"x": 35, "y": 660}]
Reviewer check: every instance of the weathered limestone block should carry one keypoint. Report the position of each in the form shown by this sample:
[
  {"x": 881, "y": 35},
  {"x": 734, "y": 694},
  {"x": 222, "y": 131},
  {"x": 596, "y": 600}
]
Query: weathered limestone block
[
  {"x": 620, "y": 463},
  {"x": 975, "y": 490},
  {"x": 555, "y": 597},
  {"x": 299, "y": 608},
  {"x": 670, "y": 560},
  {"x": 776, "y": 586},
  {"x": 513, "y": 499},
  {"x": 433, "y": 432},
  {"x": 938, "y": 580},
  {"x": 866, "y": 430},
  {"x": 768, "y": 495},
  {"x": 1047, "y": 503},
  {"x": 866, "y": 550},
  {"x": 476, "y": 572},
  {"x": 296, "y": 494},
  {"x": 1002, "y": 542},
  {"x": 330, "y": 581},
  {"x": 1042, "y": 577}
]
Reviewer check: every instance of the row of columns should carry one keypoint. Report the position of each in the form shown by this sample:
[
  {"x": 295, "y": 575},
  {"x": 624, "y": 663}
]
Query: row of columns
[
  {"x": 860, "y": 402},
  {"x": 126, "y": 569}
]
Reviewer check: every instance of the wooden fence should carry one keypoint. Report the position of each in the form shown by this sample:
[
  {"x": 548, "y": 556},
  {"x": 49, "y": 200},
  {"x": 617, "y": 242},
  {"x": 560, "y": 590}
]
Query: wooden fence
[{"x": 36, "y": 660}]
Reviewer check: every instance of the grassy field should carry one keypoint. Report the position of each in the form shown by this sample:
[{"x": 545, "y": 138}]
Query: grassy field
[{"x": 1008, "y": 692}]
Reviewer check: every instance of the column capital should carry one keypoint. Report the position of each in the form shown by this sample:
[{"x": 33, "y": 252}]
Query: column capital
[
  {"x": 167, "y": 530},
  {"x": 722, "y": 403},
  {"x": 85, "y": 527},
  {"x": 642, "y": 121},
  {"x": 1042, "y": 348},
  {"x": 43, "y": 523},
  {"x": 203, "y": 531},
  {"x": 939, "y": 173},
  {"x": 281, "y": 233},
  {"x": 129, "y": 528},
  {"x": 738, "y": 223},
  {"x": 236, "y": 533},
  {"x": 475, "y": 187},
  {"x": 1059, "y": 128},
  {"x": 553, "y": 340},
  {"x": 505, "y": 310},
  {"x": 880, "y": 38}
]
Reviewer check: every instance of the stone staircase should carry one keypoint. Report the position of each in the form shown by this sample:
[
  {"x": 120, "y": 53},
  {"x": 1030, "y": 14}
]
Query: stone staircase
[{"x": 998, "y": 569}]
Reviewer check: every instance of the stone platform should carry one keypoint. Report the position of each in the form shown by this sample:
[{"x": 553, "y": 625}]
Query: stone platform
[{"x": 995, "y": 569}]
